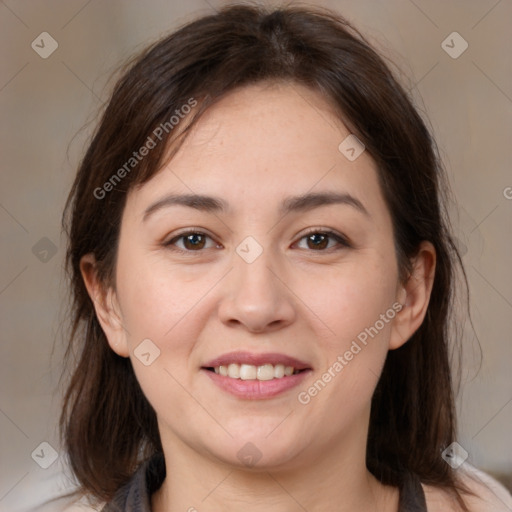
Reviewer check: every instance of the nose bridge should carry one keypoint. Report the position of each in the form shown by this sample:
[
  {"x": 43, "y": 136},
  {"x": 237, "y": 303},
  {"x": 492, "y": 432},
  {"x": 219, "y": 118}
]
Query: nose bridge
[
  {"x": 256, "y": 297},
  {"x": 254, "y": 273}
]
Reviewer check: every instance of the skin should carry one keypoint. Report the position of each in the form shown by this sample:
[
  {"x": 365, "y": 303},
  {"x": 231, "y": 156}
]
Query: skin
[{"x": 257, "y": 146}]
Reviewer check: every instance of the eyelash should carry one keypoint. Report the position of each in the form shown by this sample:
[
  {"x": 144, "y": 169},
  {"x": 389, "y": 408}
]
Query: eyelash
[{"x": 342, "y": 241}]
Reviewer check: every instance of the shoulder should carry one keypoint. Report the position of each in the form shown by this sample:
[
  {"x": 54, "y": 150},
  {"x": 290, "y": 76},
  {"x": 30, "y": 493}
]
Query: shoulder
[{"x": 490, "y": 495}]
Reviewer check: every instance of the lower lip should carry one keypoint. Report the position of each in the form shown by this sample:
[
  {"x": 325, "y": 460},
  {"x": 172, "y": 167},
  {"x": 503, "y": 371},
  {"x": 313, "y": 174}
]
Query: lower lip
[{"x": 256, "y": 389}]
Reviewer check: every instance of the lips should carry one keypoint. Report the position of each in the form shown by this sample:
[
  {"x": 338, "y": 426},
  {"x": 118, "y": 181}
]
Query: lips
[
  {"x": 256, "y": 376},
  {"x": 252, "y": 359}
]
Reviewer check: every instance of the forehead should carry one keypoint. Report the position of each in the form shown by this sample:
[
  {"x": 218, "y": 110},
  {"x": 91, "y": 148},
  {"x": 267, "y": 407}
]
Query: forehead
[
  {"x": 268, "y": 122},
  {"x": 262, "y": 142}
]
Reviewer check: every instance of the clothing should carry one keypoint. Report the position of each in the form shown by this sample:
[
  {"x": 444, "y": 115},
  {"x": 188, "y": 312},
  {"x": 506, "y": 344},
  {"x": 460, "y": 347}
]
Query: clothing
[{"x": 135, "y": 495}]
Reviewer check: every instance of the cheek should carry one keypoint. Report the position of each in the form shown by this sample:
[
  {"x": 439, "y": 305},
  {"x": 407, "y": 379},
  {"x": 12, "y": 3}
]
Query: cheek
[
  {"x": 355, "y": 307},
  {"x": 156, "y": 299},
  {"x": 168, "y": 306},
  {"x": 351, "y": 299},
  {"x": 164, "y": 307}
]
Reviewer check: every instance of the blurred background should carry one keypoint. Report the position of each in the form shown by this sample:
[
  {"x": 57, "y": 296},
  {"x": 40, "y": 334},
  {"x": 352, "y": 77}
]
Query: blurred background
[{"x": 56, "y": 63}]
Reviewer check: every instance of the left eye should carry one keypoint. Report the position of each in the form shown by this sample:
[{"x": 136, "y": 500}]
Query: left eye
[{"x": 319, "y": 240}]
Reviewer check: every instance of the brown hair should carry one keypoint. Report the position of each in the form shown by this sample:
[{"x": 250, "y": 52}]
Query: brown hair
[{"x": 107, "y": 424}]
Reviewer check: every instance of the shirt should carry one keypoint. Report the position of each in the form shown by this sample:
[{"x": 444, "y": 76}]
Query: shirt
[{"x": 135, "y": 496}]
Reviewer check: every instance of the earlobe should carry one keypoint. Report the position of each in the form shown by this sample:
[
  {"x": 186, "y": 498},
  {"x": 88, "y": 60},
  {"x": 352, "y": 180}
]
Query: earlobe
[
  {"x": 414, "y": 295},
  {"x": 105, "y": 301}
]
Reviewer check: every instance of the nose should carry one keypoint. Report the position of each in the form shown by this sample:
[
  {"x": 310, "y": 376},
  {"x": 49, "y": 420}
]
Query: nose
[{"x": 257, "y": 296}]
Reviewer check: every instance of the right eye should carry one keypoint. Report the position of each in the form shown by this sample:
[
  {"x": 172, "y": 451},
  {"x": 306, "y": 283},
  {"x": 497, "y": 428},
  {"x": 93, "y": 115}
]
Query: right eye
[{"x": 193, "y": 241}]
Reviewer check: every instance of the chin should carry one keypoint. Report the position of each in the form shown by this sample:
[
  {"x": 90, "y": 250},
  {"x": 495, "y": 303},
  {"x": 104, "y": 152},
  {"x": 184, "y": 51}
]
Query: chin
[{"x": 257, "y": 452}]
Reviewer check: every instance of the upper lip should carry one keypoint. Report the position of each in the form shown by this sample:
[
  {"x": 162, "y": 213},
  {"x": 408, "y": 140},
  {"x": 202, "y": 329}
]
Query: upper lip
[{"x": 242, "y": 357}]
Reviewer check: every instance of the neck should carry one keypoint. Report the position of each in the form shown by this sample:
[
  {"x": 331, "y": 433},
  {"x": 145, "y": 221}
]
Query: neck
[{"x": 335, "y": 480}]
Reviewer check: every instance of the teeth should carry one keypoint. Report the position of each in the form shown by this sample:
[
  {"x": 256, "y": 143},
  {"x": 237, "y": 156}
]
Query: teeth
[
  {"x": 265, "y": 372},
  {"x": 279, "y": 371},
  {"x": 248, "y": 372},
  {"x": 251, "y": 372},
  {"x": 234, "y": 371}
]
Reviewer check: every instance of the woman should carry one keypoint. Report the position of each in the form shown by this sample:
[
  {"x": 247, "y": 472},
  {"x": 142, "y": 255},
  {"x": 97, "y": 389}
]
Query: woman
[{"x": 262, "y": 279}]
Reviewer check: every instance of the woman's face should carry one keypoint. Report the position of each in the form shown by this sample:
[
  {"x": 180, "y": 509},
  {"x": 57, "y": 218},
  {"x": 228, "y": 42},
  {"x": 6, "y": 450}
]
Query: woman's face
[{"x": 259, "y": 283}]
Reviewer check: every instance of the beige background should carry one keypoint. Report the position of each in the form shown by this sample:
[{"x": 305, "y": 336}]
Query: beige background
[{"x": 45, "y": 102}]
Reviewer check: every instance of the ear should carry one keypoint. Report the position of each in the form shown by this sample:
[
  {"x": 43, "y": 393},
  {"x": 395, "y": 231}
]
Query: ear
[
  {"x": 105, "y": 305},
  {"x": 414, "y": 296}
]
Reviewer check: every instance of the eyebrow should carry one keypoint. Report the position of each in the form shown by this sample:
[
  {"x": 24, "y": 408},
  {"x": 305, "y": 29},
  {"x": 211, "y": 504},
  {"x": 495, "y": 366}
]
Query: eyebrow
[{"x": 301, "y": 203}]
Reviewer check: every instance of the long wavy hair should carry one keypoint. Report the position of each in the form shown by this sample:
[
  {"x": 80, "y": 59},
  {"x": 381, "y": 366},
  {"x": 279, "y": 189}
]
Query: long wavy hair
[{"x": 107, "y": 425}]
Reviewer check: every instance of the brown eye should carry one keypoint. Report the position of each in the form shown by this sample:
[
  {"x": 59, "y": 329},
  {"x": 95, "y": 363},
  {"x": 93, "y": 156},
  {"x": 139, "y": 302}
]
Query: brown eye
[
  {"x": 322, "y": 240},
  {"x": 192, "y": 241},
  {"x": 317, "y": 241}
]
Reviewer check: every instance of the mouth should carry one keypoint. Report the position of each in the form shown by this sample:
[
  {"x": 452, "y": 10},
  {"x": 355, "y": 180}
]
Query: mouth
[
  {"x": 262, "y": 372},
  {"x": 256, "y": 376}
]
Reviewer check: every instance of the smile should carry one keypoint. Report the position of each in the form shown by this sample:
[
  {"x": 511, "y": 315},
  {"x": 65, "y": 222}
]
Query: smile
[
  {"x": 252, "y": 376},
  {"x": 251, "y": 372}
]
